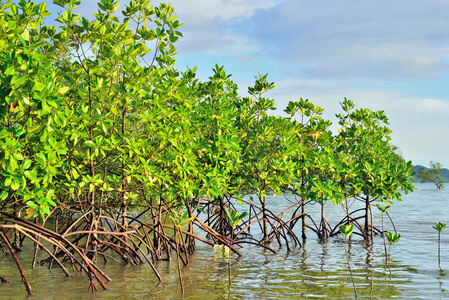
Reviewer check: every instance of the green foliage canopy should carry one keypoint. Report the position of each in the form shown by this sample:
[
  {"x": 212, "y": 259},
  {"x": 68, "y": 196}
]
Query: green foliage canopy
[{"x": 92, "y": 116}]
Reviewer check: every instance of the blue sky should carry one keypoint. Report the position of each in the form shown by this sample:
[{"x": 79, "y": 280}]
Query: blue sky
[{"x": 383, "y": 55}]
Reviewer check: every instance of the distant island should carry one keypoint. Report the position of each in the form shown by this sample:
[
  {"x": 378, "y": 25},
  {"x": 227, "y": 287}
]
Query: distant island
[{"x": 444, "y": 173}]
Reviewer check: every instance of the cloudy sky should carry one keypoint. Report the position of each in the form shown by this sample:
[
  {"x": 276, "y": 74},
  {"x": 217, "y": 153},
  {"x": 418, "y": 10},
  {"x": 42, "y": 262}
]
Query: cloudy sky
[{"x": 383, "y": 55}]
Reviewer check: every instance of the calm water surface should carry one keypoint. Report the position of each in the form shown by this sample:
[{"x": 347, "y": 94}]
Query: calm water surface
[{"x": 317, "y": 270}]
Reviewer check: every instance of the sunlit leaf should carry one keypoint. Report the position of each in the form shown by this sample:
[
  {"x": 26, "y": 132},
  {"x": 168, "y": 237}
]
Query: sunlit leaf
[{"x": 30, "y": 212}]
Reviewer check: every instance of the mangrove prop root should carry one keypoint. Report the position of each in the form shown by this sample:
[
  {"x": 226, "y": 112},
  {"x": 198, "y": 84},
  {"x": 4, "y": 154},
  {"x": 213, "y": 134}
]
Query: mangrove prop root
[
  {"x": 82, "y": 232},
  {"x": 48, "y": 251},
  {"x": 219, "y": 237},
  {"x": 72, "y": 240},
  {"x": 29, "y": 229},
  {"x": 4, "y": 279},
  {"x": 24, "y": 279}
]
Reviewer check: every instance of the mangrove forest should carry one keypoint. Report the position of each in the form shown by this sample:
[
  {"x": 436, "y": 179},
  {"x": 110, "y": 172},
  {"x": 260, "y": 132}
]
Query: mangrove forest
[{"x": 108, "y": 150}]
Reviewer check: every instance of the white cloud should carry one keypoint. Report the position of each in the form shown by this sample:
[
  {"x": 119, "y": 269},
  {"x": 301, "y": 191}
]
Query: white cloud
[
  {"x": 347, "y": 39},
  {"x": 220, "y": 9},
  {"x": 419, "y": 124},
  {"x": 211, "y": 26}
]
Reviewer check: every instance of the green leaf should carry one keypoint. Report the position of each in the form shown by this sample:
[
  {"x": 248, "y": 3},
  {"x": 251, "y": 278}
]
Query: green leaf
[
  {"x": 45, "y": 209},
  {"x": 18, "y": 155},
  {"x": 13, "y": 10},
  {"x": 31, "y": 175},
  {"x": 30, "y": 212},
  {"x": 8, "y": 181},
  {"x": 50, "y": 193},
  {"x": 3, "y": 195},
  {"x": 31, "y": 204},
  {"x": 26, "y": 35},
  {"x": 33, "y": 25},
  {"x": 346, "y": 231},
  {"x": 244, "y": 214},
  {"x": 392, "y": 238},
  {"x": 75, "y": 174},
  {"x": 15, "y": 184},
  {"x": 18, "y": 80},
  {"x": 41, "y": 158},
  {"x": 19, "y": 132},
  {"x": 115, "y": 8},
  {"x": 89, "y": 143},
  {"x": 439, "y": 226},
  {"x": 12, "y": 165},
  {"x": 22, "y": 40},
  {"x": 63, "y": 89},
  {"x": 128, "y": 41}
]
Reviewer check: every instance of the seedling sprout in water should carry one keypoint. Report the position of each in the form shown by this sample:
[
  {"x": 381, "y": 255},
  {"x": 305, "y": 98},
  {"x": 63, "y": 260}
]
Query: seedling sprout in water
[
  {"x": 392, "y": 239},
  {"x": 439, "y": 227},
  {"x": 346, "y": 231},
  {"x": 383, "y": 209}
]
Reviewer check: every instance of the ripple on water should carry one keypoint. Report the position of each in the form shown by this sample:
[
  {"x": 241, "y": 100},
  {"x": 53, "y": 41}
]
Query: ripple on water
[{"x": 318, "y": 270}]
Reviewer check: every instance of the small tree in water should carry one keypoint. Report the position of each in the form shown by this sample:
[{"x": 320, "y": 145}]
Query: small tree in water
[
  {"x": 432, "y": 175},
  {"x": 439, "y": 227}
]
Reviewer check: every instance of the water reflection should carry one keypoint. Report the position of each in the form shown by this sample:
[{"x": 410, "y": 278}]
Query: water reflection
[
  {"x": 440, "y": 277},
  {"x": 318, "y": 270},
  {"x": 323, "y": 243}
]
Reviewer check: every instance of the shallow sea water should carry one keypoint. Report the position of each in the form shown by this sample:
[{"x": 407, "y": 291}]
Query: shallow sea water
[{"x": 316, "y": 270}]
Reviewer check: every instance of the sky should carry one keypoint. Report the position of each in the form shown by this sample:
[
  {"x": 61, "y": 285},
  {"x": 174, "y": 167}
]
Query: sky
[{"x": 383, "y": 55}]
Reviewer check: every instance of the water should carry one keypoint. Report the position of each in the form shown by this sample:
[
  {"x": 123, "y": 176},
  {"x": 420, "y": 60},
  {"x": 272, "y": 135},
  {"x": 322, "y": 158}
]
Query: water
[{"x": 317, "y": 270}]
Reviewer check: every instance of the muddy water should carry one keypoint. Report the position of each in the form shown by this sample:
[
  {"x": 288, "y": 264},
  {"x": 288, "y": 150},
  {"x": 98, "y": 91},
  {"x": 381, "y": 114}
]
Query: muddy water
[{"x": 317, "y": 270}]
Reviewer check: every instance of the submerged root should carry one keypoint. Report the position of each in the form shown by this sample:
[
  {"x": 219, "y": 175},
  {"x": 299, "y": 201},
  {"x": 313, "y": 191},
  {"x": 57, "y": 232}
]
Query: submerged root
[{"x": 76, "y": 242}]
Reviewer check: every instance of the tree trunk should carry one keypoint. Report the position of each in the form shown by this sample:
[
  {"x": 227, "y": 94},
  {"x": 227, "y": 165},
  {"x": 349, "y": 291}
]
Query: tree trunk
[
  {"x": 303, "y": 213},
  {"x": 367, "y": 224},
  {"x": 265, "y": 219}
]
